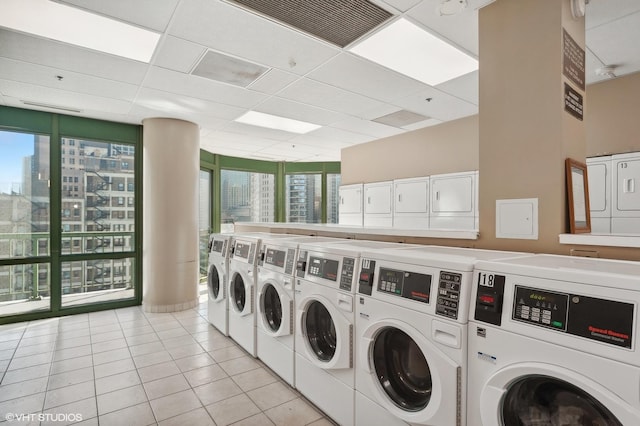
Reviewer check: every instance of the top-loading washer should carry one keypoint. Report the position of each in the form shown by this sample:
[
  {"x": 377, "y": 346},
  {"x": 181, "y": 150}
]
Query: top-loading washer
[
  {"x": 324, "y": 297},
  {"x": 411, "y": 334},
  {"x": 275, "y": 303},
  {"x": 218, "y": 303},
  {"x": 552, "y": 341}
]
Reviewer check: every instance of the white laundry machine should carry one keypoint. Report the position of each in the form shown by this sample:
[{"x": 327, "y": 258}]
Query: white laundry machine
[
  {"x": 275, "y": 303},
  {"x": 218, "y": 303},
  {"x": 552, "y": 341},
  {"x": 326, "y": 280},
  {"x": 411, "y": 335}
]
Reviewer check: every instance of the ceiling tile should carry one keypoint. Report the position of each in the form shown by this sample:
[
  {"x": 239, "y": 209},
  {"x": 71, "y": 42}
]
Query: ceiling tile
[
  {"x": 366, "y": 127},
  {"x": 235, "y": 31},
  {"x": 177, "y": 54},
  {"x": 364, "y": 77},
  {"x": 461, "y": 29},
  {"x": 427, "y": 123},
  {"x": 25, "y": 72},
  {"x": 273, "y": 81},
  {"x": 202, "y": 88},
  {"x": 623, "y": 51},
  {"x": 258, "y": 132},
  {"x": 592, "y": 63},
  {"x": 338, "y": 135},
  {"x": 442, "y": 106},
  {"x": 329, "y": 97},
  {"x": 169, "y": 104},
  {"x": 605, "y": 11},
  {"x": 298, "y": 111},
  {"x": 401, "y": 5},
  {"x": 66, "y": 57},
  {"x": 466, "y": 87},
  {"x": 151, "y": 14}
]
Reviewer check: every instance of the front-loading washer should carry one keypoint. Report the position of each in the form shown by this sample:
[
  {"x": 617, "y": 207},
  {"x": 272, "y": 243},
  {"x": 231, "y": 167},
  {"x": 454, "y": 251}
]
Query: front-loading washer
[
  {"x": 275, "y": 303},
  {"x": 325, "y": 280},
  {"x": 411, "y": 335},
  {"x": 552, "y": 341},
  {"x": 218, "y": 304}
]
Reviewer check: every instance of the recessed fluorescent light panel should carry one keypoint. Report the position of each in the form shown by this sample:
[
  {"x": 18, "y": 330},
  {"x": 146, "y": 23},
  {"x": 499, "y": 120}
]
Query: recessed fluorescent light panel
[
  {"x": 408, "y": 49},
  {"x": 275, "y": 122},
  {"x": 74, "y": 26}
]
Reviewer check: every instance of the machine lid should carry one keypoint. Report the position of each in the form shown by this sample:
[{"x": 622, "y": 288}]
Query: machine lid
[
  {"x": 320, "y": 331},
  {"x": 544, "y": 400},
  {"x": 271, "y": 308},
  {"x": 402, "y": 369},
  {"x": 213, "y": 282}
]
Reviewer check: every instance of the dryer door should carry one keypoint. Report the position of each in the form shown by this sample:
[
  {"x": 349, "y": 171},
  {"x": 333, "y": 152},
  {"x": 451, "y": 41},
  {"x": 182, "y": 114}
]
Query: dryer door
[
  {"x": 215, "y": 284},
  {"x": 409, "y": 375},
  {"x": 275, "y": 309},
  {"x": 240, "y": 294},
  {"x": 531, "y": 394},
  {"x": 327, "y": 334}
]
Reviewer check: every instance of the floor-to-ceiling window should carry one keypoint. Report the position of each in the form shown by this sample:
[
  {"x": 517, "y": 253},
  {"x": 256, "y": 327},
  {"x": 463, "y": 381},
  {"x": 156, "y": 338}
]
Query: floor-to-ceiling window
[
  {"x": 333, "y": 197},
  {"x": 204, "y": 219},
  {"x": 246, "y": 197},
  {"x": 303, "y": 198}
]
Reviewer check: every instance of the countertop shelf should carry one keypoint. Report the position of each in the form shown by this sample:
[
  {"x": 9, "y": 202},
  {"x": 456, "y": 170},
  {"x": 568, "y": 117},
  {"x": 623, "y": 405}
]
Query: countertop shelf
[{"x": 609, "y": 240}]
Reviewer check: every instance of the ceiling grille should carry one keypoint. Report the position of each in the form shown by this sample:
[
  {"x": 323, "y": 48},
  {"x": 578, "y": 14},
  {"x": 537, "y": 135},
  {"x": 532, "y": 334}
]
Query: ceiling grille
[{"x": 337, "y": 21}]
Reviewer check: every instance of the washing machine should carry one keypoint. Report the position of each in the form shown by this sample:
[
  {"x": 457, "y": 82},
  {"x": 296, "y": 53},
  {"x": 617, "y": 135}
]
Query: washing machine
[
  {"x": 275, "y": 303},
  {"x": 218, "y": 304},
  {"x": 325, "y": 280},
  {"x": 411, "y": 335},
  {"x": 553, "y": 341}
]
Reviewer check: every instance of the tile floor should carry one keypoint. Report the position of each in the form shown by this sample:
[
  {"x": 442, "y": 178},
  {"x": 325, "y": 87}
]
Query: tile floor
[{"x": 129, "y": 367}]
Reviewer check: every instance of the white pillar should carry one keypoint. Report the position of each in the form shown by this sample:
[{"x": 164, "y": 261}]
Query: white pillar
[{"x": 171, "y": 161}]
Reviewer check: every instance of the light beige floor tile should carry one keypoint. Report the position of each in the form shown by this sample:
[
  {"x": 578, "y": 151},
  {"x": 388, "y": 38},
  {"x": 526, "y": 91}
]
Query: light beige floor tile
[
  {"x": 295, "y": 412},
  {"x": 151, "y": 359},
  {"x": 166, "y": 386},
  {"x": 109, "y": 335},
  {"x": 166, "y": 325},
  {"x": 25, "y": 388},
  {"x": 254, "y": 379},
  {"x": 89, "y": 422},
  {"x": 179, "y": 341},
  {"x": 38, "y": 340},
  {"x": 323, "y": 422},
  {"x": 72, "y": 342},
  {"x": 140, "y": 339},
  {"x": 158, "y": 371},
  {"x": 104, "y": 328},
  {"x": 136, "y": 415},
  {"x": 123, "y": 398},
  {"x": 204, "y": 375},
  {"x": 215, "y": 343},
  {"x": 109, "y": 345},
  {"x": 69, "y": 394},
  {"x": 257, "y": 420},
  {"x": 175, "y": 404},
  {"x": 30, "y": 361},
  {"x": 34, "y": 349},
  {"x": 115, "y": 367},
  {"x": 15, "y": 376},
  {"x": 146, "y": 348},
  {"x": 110, "y": 356},
  {"x": 174, "y": 332},
  {"x": 217, "y": 391},
  {"x": 239, "y": 365},
  {"x": 70, "y": 353},
  {"x": 71, "y": 413},
  {"x": 137, "y": 331},
  {"x": 72, "y": 377},
  {"x": 7, "y": 354},
  {"x": 185, "y": 351},
  {"x": 272, "y": 395},
  {"x": 198, "y": 417},
  {"x": 195, "y": 361},
  {"x": 26, "y": 404},
  {"x": 117, "y": 381},
  {"x": 232, "y": 410},
  {"x": 71, "y": 364},
  {"x": 228, "y": 353}
]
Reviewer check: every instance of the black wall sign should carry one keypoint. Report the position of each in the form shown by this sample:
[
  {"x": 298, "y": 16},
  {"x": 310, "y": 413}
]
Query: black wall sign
[
  {"x": 573, "y": 102},
  {"x": 573, "y": 60}
]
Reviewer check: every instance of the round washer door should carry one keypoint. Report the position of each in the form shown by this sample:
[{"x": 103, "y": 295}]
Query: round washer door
[
  {"x": 240, "y": 295},
  {"x": 536, "y": 400},
  {"x": 402, "y": 370},
  {"x": 216, "y": 290},
  {"x": 275, "y": 311},
  {"x": 327, "y": 334}
]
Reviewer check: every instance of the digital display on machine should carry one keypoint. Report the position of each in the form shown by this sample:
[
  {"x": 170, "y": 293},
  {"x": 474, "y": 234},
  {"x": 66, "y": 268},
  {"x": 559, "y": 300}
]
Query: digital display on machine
[
  {"x": 242, "y": 250},
  {"x": 602, "y": 320},
  {"x": 405, "y": 284},
  {"x": 217, "y": 246},
  {"x": 323, "y": 268},
  {"x": 275, "y": 257}
]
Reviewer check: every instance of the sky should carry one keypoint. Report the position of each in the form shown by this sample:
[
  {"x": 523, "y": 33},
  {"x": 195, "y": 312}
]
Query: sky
[{"x": 13, "y": 148}]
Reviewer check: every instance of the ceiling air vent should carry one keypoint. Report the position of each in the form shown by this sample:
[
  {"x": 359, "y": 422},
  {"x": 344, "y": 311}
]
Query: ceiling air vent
[
  {"x": 227, "y": 69},
  {"x": 336, "y": 21},
  {"x": 401, "y": 118}
]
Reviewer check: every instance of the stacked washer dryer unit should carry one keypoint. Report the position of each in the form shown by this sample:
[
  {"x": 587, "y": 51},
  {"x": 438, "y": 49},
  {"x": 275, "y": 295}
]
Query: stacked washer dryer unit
[
  {"x": 553, "y": 341},
  {"x": 275, "y": 303},
  {"x": 326, "y": 279},
  {"x": 411, "y": 335},
  {"x": 218, "y": 305}
]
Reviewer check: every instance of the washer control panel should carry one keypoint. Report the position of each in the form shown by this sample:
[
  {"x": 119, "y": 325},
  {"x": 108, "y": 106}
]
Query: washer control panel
[
  {"x": 346, "y": 275},
  {"x": 448, "y": 294}
]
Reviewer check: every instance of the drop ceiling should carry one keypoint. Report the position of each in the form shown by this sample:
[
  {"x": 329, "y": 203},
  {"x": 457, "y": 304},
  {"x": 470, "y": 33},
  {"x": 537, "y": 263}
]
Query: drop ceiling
[{"x": 304, "y": 78}]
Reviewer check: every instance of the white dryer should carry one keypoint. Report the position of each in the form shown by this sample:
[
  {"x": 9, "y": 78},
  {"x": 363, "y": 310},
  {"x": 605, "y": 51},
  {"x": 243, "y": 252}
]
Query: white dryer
[
  {"x": 411, "y": 335},
  {"x": 552, "y": 341},
  {"x": 324, "y": 297},
  {"x": 218, "y": 304},
  {"x": 275, "y": 303}
]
